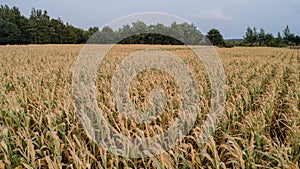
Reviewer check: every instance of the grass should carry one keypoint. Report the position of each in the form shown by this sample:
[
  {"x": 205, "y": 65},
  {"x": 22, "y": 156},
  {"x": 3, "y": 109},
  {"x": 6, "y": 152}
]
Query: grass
[{"x": 39, "y": 127}]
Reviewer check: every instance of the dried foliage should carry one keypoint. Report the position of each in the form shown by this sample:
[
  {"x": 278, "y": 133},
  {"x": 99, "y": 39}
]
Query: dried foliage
[{"x": 39, "y": 127}]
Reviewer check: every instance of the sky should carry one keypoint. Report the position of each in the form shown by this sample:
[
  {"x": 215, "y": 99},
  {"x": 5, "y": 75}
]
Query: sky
[{"x": 231, "y": 17}]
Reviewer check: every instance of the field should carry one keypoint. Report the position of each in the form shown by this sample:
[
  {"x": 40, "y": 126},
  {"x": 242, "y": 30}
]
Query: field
[{"x": 39, "y": 127}]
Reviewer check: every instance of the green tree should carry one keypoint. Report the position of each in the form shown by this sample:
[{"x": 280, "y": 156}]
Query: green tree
[
  {"x": 106, "y": 35},
  {"x": 39, "y": 26},
  {"x": 23, "y": 26},
  {"x": 10, "y": 32},
  {"x": 139, "y": 28},
  {"x": 57, "y": 29},
  {"x": 288, "y": 37},
  {"x": 269, "y": 40},
  {"x": 278, "y": 40},
  {"x": 124, "y": 33},
  {"x": 70, "y": 35},
  {"x": 251, "y": 36},
  {"x": 215, "y": 37},
  {"x": 159, "y": 34},
  {"x": 176, "y": 31},
  {"x": 261, "y": 37}
]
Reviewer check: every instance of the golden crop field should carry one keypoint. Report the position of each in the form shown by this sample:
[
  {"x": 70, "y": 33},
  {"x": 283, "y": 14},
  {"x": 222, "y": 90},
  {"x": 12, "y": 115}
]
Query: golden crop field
[{"x": 260, "y": 127}]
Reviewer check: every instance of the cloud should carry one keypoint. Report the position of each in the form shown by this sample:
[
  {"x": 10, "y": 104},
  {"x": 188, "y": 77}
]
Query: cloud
[
  {"x": 244, "y": 2},
  {"x": 212, "y": 15}
]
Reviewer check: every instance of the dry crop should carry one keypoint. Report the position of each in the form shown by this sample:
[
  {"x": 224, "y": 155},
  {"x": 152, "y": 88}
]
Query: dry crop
[{"x": 39, "y": 127}]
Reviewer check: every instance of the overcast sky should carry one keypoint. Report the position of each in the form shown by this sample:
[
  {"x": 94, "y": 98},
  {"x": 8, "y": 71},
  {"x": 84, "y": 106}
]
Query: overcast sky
[{"x": 231, "y": 17}]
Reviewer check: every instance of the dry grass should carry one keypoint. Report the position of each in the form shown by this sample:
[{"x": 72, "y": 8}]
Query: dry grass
[{"x": 39, "y": 127}]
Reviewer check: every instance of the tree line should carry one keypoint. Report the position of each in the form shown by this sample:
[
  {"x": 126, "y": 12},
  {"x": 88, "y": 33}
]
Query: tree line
[
  {"x": 261, "y": 38},
  {"x": 39, "y": 28}
]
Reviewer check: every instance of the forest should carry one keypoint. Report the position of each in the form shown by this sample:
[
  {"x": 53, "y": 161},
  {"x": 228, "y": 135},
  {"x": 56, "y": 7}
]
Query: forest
[{"x": 40, "y": 28}]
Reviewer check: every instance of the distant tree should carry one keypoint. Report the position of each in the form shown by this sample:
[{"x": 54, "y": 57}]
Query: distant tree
[
  {"x": 106, "y": 35},
  {"x": 176, "y": 31},
  {"x": 126, "y": 31},
  {"x": 297, "y": 40},
  {"x": 88, "y": 35},
  {"x": 10, "y": 32},
  {"x": 139, "y": 28},
  {"x": 70, "y": 35},
  {"x": 39, "y": 26},
  {"x": 287, "y": 31},
  {"x": 261, "y": 37},
  {"x": 160, "y": 34},
  {"x": 176, "y": 34},
  {"x": 251, "y": 36},
  {"x": 23, "y": 26},
  {"x": 278, "y": 40},
  {"x": 57, "y": 30},
  {"x": 215, "y": 37},
  {"x": 288, "y": 37},
  {"x": 265, "y": 39},
  {"x": 269, "y": 40},
  {"x": 92, "y": 30},
  {"x": 123, "y": 33}
]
